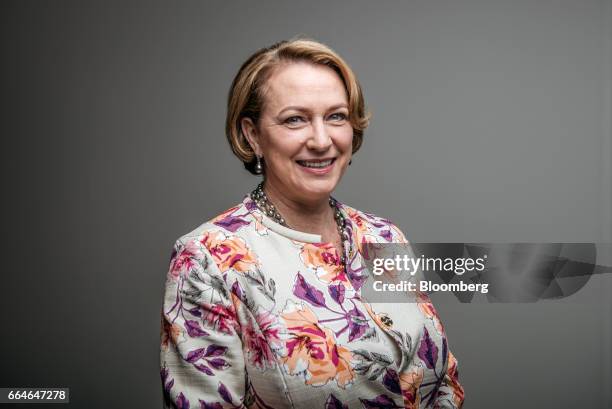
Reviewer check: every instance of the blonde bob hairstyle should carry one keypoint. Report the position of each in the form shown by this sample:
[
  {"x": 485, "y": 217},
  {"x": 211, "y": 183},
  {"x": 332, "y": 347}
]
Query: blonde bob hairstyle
[{"x": 247, "y": 93}]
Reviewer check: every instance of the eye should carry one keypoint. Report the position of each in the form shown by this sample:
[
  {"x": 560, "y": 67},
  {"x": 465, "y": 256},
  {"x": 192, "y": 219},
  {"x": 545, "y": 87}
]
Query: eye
[
  {"x": 338, "y": 117},
  {"x": 294, "y": 120}
]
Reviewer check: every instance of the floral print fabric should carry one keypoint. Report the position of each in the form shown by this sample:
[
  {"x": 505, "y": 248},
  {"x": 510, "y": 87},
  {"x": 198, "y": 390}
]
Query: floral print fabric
[{"x": 255, "y": 317}]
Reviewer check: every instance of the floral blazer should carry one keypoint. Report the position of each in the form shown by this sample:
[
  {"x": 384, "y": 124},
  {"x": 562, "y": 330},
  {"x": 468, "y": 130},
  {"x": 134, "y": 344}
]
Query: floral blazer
[{"x": 257, "y": 315}]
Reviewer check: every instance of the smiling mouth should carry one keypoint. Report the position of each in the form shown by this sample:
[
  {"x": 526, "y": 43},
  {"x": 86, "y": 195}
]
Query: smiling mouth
[{"x": 316, "y": 164}]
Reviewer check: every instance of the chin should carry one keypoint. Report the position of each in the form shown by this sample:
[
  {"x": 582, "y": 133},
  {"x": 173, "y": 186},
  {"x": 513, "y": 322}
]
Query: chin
[{"x": 320, "y": 188}]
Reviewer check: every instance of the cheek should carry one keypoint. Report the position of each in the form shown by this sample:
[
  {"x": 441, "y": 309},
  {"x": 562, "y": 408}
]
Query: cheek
[
  {"x": 284, "y": 146},
  {"x": 344, "y": 138}
]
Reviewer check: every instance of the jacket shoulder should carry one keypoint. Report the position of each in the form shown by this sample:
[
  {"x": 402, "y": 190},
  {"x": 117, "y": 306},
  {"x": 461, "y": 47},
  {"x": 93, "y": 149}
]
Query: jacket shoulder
[
  {"x": 380, "y": 226},
  {"x": 229, "y": 221}
]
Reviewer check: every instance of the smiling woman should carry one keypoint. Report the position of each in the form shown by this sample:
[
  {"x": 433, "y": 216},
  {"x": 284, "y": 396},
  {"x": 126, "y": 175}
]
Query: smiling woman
[
  {"x": 263, "y": 305},
  {"x": 304, "y": 134}
]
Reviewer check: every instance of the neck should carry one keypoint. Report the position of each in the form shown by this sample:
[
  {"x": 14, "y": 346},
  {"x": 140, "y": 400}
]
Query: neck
[{"x": 315, "y": 216}]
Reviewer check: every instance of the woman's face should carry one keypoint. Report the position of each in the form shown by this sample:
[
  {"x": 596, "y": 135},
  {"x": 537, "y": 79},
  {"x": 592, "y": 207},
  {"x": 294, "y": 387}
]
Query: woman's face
[{"x": 304, "y": 133}]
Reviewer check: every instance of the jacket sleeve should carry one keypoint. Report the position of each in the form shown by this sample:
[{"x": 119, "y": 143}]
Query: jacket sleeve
[
  {"x": 201, "y": 357},
  {"x": 450, "y": 394}
]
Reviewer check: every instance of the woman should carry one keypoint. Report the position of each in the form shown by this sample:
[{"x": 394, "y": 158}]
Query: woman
[{"x": 263, "y": 306}]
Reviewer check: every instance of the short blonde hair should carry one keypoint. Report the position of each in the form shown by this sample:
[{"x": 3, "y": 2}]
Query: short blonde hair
[{"x": 246, "y": 95}]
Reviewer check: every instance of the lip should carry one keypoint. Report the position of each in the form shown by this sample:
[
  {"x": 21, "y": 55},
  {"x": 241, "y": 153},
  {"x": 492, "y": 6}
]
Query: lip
[{"x": 318, "y": 171}]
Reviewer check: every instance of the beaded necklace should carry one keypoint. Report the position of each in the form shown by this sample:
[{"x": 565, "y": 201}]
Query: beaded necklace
[{"x": 265, "y": 205}]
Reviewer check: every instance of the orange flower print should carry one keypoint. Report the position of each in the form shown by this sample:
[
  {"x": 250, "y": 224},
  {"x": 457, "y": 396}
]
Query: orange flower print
[
  {"x": 429, "y": 311},
  {"x": 229, "y": 252},
  {"x": 453, "y": 375},
  {"x": 170, "y": 332},
  {"x": 311, "y": 349},
  {"x": 324, "y": 258},
  {"x": 362, "y": 232},
  {"x": 357, "y": 219},
  {"x": 409, "y": 384},
  {"x": 378, "y": 318}
]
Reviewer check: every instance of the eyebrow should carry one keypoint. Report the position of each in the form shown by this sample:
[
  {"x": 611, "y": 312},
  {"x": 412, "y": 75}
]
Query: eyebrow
[{"x": 302, "y": 109}]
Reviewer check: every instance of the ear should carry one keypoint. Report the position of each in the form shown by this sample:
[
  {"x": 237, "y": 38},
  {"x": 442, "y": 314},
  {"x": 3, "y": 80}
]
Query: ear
[{"x": 249, "y": 130}]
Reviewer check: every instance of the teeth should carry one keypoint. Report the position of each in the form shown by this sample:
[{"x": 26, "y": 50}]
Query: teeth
[{"x": 315, "y": 164}]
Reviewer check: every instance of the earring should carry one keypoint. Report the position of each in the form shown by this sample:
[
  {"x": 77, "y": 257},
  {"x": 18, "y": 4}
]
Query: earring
[{"x": 258, "y": 167}]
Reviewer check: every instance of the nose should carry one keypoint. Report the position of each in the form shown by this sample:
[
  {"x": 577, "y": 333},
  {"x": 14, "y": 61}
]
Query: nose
[{"x": 319, "y": 140}]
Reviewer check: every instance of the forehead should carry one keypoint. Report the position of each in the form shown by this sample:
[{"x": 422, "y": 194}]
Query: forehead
[{"x": 304, "y": 84}]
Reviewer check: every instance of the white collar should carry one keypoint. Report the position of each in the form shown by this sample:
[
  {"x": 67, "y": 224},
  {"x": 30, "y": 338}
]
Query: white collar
[{"x": 286, "y": 231}]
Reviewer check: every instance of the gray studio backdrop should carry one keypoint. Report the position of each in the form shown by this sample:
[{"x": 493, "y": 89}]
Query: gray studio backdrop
[{"x": 491, "y": 123}]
